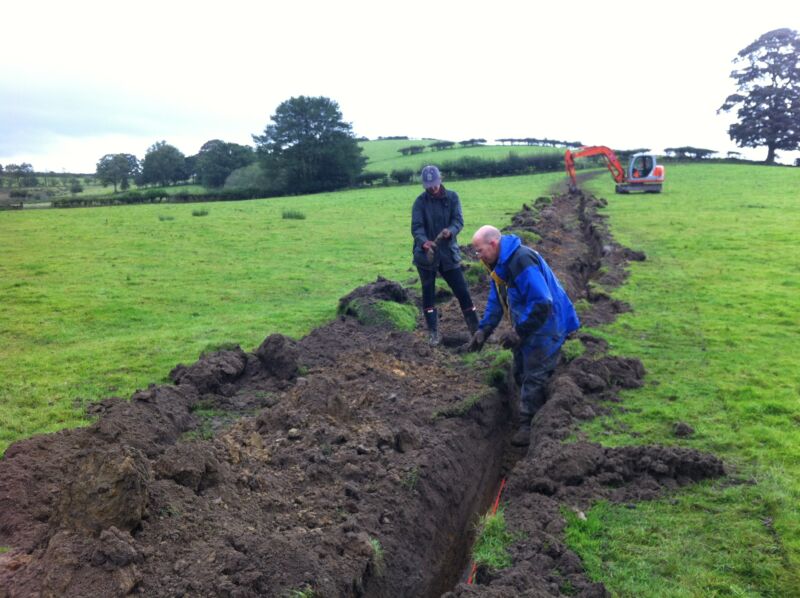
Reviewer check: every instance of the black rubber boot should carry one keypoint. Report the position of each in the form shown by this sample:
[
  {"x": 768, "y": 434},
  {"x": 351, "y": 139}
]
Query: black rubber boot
[
  {"x": 523, "y": 435},
  {"x": 471, "y": 318},
  {"x": 432, "y": 322}
]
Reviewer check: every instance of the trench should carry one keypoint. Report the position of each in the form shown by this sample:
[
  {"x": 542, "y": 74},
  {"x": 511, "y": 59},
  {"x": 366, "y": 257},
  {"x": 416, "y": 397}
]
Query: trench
[{"x": 487, "y": 462}]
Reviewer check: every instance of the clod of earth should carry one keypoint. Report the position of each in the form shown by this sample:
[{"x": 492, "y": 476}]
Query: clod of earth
[{"x": 361, "y": 477}]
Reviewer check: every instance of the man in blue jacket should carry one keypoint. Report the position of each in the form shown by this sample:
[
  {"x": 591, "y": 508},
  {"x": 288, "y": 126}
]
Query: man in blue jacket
[
  {"x": 436, "y": 219},
  {"x": 528, "y": 293}
]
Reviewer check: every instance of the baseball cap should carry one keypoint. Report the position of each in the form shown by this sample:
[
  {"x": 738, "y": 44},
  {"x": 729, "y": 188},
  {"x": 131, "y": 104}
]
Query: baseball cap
[{"x": 431, "y": 177}]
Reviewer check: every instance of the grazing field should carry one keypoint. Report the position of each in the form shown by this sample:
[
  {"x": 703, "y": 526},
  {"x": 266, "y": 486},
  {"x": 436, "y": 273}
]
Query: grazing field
[
  {"x": 98, "y": 302},
  {"x": 383, "y": 156},
  {"x": 101, "y": 301},
  {"x": 715, "y": 322}
]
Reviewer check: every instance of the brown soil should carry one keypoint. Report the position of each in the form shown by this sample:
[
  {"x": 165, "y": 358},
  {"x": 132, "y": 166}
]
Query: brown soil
[{"x": 352, "y": 462}]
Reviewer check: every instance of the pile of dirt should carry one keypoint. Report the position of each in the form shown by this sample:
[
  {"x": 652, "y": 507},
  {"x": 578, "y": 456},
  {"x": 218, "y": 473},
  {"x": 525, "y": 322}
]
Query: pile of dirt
[{"x": 352, "y": 462}]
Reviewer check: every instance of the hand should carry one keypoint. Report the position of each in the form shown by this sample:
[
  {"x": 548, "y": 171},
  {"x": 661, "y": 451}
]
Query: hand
[
  {"x": 445, "y": 234},
  {"x": 510, "y": 340},
  {"x": 477, "y": 341},
  {"x": 427, "y": 246}
]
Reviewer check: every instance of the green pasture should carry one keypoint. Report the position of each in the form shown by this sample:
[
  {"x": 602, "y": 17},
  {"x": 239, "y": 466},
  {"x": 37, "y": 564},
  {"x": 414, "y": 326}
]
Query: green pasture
[
  {"x": 101, "y": 301},
  {"x": 383, "y": 155},
  {"x": 715, "y": 321},
  {"x": 98, "y": 302}
]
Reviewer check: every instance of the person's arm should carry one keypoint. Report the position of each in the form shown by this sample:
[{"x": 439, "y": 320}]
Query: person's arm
[
  {"x": 532, "y": 287},
  {"x": 456, "y": 223},
  {"x": 493, "y": 313},
  {"x": 418, "y": 223}
]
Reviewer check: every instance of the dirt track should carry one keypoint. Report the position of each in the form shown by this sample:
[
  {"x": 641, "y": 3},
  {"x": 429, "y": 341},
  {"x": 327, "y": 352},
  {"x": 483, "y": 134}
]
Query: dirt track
[{"x": 347, "y": 462}]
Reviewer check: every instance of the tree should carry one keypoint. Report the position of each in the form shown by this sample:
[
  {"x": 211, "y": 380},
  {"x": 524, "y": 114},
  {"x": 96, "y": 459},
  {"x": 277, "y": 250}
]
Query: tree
[
  {"x": 768, "y": 94},
  {"x": 113, "y": 169},
  {"x": 402, "y": 175},
  {"x": 217, "y": 159},
  {"x": 163, "y": 164},
  {"x": 308, "y": 147}
]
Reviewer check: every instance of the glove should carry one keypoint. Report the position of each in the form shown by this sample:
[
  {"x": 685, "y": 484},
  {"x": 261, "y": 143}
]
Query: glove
[
  {"x": 445, "y": 234},
  {"x": 510, "y": 339},
  {"x": 477, "y": 341},
  {"x": 427, "y": 246}
]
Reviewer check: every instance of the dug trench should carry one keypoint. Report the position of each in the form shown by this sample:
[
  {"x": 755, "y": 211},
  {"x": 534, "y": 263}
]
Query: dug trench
[{"x": 352, "y": 462}]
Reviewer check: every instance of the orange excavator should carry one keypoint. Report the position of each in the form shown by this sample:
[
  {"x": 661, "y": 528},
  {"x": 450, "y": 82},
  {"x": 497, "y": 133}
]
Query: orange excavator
[{"x": 643, "y": 173}]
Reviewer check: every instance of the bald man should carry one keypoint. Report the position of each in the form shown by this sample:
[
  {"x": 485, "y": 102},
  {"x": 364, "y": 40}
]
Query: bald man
[{"x": 528, "y": 293}]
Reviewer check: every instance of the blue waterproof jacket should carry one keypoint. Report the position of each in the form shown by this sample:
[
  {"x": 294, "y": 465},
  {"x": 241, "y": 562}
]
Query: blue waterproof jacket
[{"x": 540, "y": 310}]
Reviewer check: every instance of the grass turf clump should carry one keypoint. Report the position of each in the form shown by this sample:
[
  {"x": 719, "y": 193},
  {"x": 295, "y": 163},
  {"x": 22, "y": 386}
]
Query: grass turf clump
[
  {"x": 572, "y": 349},
  {"x": 491, "y": 546},
  {"x": 378, "y": 557},
  {"x": 382, "y": 313}
]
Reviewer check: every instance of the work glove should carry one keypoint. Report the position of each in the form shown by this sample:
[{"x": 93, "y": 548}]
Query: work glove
[
  {"x": 427, "y": 246},
  {"x": 510, "y": 339},
  {"x": 477, "y": 341},
  {"x": 445, "y": 234}
]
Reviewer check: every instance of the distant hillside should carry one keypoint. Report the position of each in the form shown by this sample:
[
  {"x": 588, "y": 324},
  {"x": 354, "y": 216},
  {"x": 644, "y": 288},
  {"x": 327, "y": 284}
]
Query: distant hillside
[{"x": 383, "y": 155}]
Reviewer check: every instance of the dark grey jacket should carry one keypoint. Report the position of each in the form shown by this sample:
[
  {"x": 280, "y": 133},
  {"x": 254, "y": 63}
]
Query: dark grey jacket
[{"x": 428, "y": 217}]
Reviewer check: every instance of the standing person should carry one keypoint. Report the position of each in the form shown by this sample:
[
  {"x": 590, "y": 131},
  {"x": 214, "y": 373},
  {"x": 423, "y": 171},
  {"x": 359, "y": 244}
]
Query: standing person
[
  {"x": 526, "y": 290},
  {"x": 436, "y": 219}
]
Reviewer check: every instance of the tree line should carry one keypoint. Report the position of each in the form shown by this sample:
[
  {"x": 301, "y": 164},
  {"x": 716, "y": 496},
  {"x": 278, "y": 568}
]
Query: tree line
[
  {"x": 164, "y": 165},
  {"x": 307, "y": 147}
]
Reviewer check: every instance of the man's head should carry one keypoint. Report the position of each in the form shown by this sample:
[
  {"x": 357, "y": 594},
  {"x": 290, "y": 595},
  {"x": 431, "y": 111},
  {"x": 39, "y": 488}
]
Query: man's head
[
  {"x": 486, "y": 242},
  {"x": 431, "y": 178}
]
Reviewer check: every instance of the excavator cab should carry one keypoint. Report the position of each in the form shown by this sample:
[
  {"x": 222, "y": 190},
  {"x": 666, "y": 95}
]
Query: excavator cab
[
  {"x": 640, "y": 167},
  {"x": 644, "y": 174}
]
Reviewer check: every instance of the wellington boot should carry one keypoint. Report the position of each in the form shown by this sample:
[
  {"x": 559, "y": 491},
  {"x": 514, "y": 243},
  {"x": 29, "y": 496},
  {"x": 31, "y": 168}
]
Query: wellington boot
[
  {"x": 434, "y": 338},
  {"x": 471, "y": 318},
  {"x": 522, "y": 437},
  {"x": 432, "y": 322}
]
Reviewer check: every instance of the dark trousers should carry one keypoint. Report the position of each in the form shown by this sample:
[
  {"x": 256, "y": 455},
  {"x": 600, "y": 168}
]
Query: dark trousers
[
  {"x": 532, "y": 372},
  {"x": 454, "y": 279}
]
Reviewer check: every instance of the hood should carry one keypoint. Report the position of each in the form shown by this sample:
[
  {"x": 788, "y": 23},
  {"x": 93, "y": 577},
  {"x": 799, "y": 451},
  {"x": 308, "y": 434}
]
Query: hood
[{"x": 508, "y": 245}]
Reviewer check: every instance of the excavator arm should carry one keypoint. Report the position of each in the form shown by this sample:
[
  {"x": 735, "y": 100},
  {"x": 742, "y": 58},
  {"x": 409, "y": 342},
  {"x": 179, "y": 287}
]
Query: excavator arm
[{"x": 616, "y": 169}]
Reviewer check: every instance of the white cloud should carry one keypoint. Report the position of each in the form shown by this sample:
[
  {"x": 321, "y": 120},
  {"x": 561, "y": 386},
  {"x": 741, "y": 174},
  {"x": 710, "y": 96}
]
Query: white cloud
[{"x": 632, "y": 76}]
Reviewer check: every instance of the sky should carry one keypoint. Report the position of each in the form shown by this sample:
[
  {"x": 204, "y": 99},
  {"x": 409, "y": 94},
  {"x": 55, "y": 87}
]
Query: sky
[{"x": 86, "y": 78}]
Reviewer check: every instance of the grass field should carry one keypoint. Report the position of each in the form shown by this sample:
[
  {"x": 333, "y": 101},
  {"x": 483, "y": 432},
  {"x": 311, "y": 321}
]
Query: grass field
[
  {"x": 102, "y": 301},
  {"x": 716, "y": 324},
  {"x": 383, "y": 156}
]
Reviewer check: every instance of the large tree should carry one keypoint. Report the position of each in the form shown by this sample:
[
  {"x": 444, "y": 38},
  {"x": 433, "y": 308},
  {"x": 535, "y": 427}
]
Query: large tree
[
  {"x": 163, "y": 164},
  {"x": 768, "y": 93},
  {"x": 308, "y": 147},
  {"x": 113, "y": 169},
  {"x": 217, "y": 159}
]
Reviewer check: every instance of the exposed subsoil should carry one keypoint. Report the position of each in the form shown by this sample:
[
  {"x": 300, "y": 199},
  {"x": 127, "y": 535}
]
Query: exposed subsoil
[{"x": 352, "y": 462}]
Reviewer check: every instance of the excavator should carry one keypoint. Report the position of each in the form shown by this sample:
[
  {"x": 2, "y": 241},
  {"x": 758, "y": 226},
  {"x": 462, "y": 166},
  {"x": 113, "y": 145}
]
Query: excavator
[{"x": 643, "y": 173}]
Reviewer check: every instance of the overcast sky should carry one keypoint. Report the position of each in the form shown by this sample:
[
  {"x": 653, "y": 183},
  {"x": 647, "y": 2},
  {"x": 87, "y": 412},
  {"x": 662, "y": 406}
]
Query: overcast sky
[{"x": 82, "y": 78}]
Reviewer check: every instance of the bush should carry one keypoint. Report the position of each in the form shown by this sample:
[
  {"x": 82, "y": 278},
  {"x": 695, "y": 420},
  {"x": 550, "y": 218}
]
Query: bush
[
  {"x": 202, "y": 212},
  {"x": 293, "y": 215},
  {"x": 474, "y": 167},
  {"x": 402, "y": 175},
  {"x": 412, "y": 149},
  {"x": 368, "y": 178}
]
